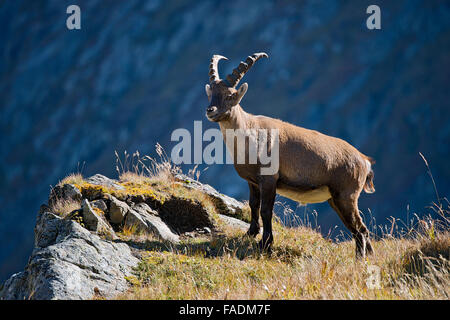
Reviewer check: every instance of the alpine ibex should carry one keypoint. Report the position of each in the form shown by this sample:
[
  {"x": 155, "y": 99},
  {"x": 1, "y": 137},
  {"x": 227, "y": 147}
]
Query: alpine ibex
[{"x": 313, "y": 167}]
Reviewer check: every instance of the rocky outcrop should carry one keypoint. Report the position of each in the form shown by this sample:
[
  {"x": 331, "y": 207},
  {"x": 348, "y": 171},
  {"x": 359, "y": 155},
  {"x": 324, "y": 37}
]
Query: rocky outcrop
[
  {"x": 147, "y": 220},
  {"x": 234, "y": 223},
  {"x": 66, "y": 192},
  {"x": 87, "y": 257},
  {"x": 117, "y": 210},
  {"x": 69, "y": 262},
  {"x": 95, "y": 221},
  {"x": 229, "y": 205},
  {"x": 101, "y": 180}
]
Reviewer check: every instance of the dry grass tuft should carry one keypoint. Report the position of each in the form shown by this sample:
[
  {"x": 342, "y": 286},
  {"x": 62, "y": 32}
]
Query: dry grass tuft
[
  {"x": 430, "y": 254},
  {"x": 63, "y": 207},
  {"x": 128, "y": 232},
  {"x": 146, "y": 166},
  {"x": 74, "y": 178}
]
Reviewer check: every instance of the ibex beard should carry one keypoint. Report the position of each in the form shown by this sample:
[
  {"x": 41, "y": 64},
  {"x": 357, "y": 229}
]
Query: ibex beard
[{"x": 312, "y": 167}]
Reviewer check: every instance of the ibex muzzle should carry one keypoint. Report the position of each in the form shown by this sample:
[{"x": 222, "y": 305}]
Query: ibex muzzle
[{"x": 312, "y": 167}]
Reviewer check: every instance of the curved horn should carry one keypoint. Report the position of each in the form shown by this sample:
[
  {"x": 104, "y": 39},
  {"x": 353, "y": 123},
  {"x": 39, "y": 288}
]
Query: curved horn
[
  {"x": 213, "y": 72},
  {"x": 234, "y": 78}
]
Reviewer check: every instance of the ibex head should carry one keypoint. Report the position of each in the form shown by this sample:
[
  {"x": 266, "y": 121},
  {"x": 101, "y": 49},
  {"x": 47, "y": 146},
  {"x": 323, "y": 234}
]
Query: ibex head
[{"x": 222, "y": 94}]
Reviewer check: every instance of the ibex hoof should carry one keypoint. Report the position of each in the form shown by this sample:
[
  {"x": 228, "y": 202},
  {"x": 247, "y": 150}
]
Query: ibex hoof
[
  {"x": 265, "y": 246},
  {"x": 253, "y": 231}
]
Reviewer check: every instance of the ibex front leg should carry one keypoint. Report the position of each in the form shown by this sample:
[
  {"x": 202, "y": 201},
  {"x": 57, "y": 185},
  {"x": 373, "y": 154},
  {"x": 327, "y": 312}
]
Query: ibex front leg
[
  {"x": 255, "y": 205},
  {"x": 267, "y": 188}
]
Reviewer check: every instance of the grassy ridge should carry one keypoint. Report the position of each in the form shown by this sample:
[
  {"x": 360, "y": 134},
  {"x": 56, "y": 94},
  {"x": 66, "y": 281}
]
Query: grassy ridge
[{"x": 303, "y": 264}]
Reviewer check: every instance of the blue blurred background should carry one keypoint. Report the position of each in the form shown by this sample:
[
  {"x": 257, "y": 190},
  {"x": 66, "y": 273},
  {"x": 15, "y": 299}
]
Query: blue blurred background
[{"x": 136, "y": 71}]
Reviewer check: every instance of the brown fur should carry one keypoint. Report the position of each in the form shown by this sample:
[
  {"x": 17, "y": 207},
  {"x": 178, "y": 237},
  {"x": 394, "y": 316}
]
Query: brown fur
[{"x": 309, "y": 163}]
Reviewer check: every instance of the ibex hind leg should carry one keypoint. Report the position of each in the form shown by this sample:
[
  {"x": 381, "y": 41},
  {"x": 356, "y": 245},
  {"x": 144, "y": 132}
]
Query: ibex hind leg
[
  {"x": 343, "y": 214},
  {"x": 347, "y": 209}
]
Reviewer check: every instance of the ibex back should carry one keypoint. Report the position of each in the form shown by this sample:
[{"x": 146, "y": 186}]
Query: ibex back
[{"x": 313, "y": 167}]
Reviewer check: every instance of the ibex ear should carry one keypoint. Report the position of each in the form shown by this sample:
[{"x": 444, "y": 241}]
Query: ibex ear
[
  {"x": 241, "y": 91},
  {"x": 208, "y": 91}
]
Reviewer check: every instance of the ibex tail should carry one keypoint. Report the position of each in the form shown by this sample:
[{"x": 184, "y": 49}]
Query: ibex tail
[{"x": 368, "y": 185}]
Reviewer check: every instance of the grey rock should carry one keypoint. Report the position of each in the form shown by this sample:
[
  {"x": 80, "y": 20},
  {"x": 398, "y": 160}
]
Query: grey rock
[
  {"x": 234, "y": 223},
  {"x": 91, "y": 219},
  {"x": 96, "y": 222},
  {"x": 46, "y": 230},
  {"x": 117, "y": 210},
  {"x": 224, "y": 203},
  {"x": 99, "y": 204},
  {"x": 70, "y": 263},
  {"x": 134, "y": 219},
  {"x": 66, "y": 192},
  {"x": 147, "y": 220},
  {"x": 101, "y": 180}
]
